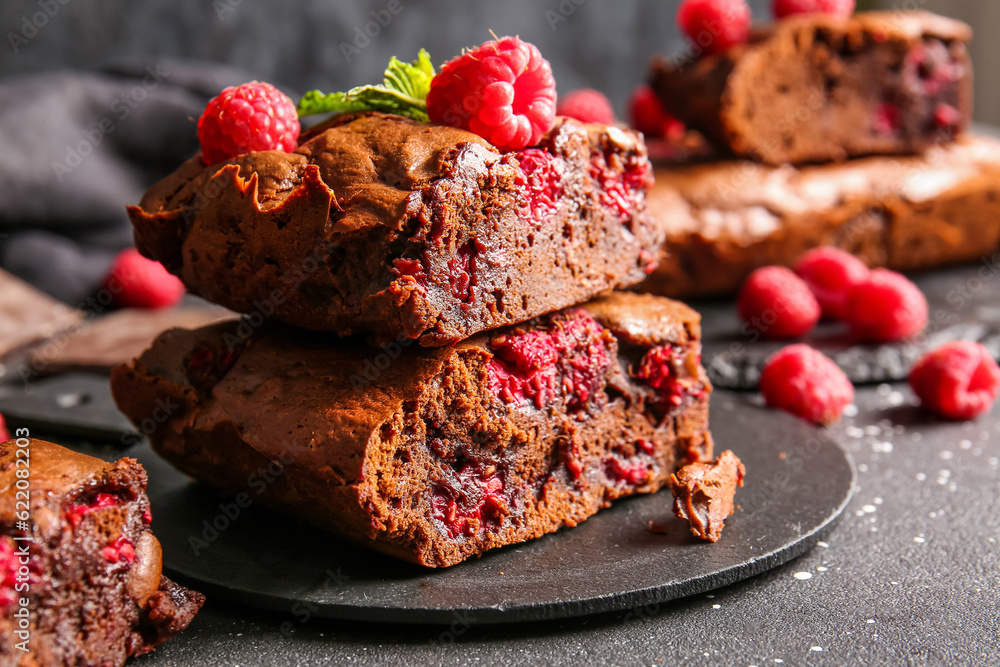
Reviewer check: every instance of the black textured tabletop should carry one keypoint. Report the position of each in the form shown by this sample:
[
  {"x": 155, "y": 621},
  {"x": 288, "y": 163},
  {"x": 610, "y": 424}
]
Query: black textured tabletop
[{"x": 908, "y": 576}]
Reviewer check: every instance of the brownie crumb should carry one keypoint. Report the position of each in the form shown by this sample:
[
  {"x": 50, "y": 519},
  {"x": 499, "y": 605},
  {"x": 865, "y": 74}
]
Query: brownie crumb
[
  {"x": 703, "y": 494},
  {"x": 657, "y": 528}
]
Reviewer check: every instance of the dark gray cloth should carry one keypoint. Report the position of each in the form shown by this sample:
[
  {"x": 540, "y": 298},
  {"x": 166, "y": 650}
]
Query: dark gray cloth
[{"x": 75, "y": 148}]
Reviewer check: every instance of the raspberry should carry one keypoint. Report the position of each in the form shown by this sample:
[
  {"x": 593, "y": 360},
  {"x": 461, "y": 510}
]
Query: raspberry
[
  {"x": 76, "y": 513},
  {"x": 568, "y": 358},
  {"x": 885, "y": 307},
  {"x": 137, "y": 282},
  {"x": 120, "y": 549},
  {"x": 543, "y": 183},
  {"x": 474, "y": 501},
  {"x": 830, "y": 274},
  {"x": 503, "y": 91},
  {"x": 587, "y": 105},
  {"x": 4, "y": 433},
  {"x": 649, "y": 117},
  {"x": 958, "y": 380},
  {"x": 783, "y": 8},
  {"x": 777, "y": 303},
  {"x": 715, "y": 25},
  {"x": 800, "y": 380},
  {"x": 253, "y": 117}
]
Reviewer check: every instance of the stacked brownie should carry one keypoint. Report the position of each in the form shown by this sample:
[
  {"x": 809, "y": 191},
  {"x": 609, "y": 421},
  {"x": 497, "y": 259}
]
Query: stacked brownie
[
  {"x": 842, "y": 131},
  {"x": 433, "y": 351}
]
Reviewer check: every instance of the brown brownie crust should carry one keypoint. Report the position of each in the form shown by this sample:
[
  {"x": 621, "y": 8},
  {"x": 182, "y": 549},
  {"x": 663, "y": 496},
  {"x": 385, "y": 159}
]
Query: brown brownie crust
[
  {"x": 726, "y": 219},
  {"x": 414, "y": 452},
  {"x": 402, "y": 230},
  {"x": 88, "y": 605},
  {"x": 815, "y": 88}
]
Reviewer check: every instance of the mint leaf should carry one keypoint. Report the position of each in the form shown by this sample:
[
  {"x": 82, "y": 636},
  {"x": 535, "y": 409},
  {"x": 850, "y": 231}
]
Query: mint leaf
[{"x": 403, "y": 91}]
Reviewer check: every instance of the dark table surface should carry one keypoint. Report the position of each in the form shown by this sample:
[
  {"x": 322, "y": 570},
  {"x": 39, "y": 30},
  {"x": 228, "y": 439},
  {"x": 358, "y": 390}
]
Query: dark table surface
[{"x": 908, "y": 576}]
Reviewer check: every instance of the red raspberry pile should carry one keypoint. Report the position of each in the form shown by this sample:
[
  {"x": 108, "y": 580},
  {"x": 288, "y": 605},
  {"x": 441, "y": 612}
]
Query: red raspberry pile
[
  {"x": 878, "y": 306},
  {"x": 255, "y": 116},
  {"x": 648, "y": 116},
  {"x": 503, "y": 91},
  {"x": 830, "y": 274},
  {"x": 783, "y": 8},
  {"x": 587, "y": 105},
  {"x": 958, "y": 380},
  {"x": 800, "y": 380},
  {"x": 137, "y": 282},
  {"x": 715, "y": 25}
]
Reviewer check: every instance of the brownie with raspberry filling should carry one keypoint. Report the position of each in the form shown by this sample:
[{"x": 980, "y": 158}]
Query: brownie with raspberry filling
[
  {"x": 406, "y": 230},
  {"x": 817, "y": 87},
  {"x": 725, "y": 219},
  {"x": 89, "y": 573},
  {"x": 436, "y": 455}
]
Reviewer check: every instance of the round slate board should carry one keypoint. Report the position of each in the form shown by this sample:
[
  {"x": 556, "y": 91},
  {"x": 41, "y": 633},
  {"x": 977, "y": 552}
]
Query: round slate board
[{"x": 798, "y": 481}]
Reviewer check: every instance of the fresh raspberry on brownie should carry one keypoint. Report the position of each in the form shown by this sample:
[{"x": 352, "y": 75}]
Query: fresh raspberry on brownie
[
  {"x": 818, "y": 87},
  {"x": 959, "y": 380},
  {"x": 503, "y": 91},
  {"x": 83, "y": 560},
  {"x": 783, "y": 8},
  {"x": 436, "y": 455},
  {"x": 587, "y": 105},
  {"x": 255, "y": 116},
  {"x": 715, "y": 25}
]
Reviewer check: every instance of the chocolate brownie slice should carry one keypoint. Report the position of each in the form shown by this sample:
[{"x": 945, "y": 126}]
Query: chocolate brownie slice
[
  {"x": 816, "y": 87},
  {"x": 407, "y": 230},
  {"x": 435, "y": 455},
  {"x": 726, "y": 219},
  {"x": 80, "y": 570}
]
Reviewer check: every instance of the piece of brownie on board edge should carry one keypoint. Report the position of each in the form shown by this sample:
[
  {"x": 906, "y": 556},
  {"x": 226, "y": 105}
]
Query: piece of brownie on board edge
[
  {"x": 405, "y": 230},
  {"x": 816, "y": 87},
  {"x": 724, "y": 220},
  {"x": 81, "y": 578},
  {"x": 436, "y": 455}
]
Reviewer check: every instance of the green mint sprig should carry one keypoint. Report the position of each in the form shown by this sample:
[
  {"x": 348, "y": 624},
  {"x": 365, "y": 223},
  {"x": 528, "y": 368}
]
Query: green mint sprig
[{"x": 403, "y": 91}]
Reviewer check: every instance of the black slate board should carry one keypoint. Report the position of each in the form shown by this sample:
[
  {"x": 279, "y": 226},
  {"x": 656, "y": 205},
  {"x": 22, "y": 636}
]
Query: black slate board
[
  {"x": 798, "y": 483},
  {"x": 961, "y": 308}
]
